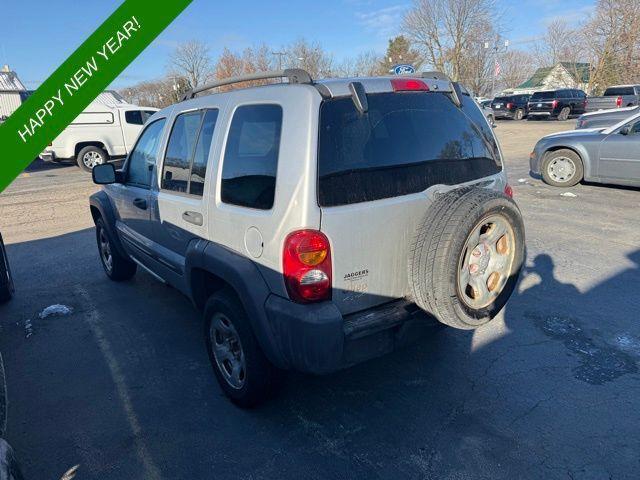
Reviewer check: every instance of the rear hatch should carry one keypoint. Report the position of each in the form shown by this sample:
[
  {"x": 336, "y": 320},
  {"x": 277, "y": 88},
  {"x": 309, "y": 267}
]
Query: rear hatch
[
  {"x": 542, "y": 102},
  {"x": 500, "y": 104},
  {"x": 377, "y": 172}
]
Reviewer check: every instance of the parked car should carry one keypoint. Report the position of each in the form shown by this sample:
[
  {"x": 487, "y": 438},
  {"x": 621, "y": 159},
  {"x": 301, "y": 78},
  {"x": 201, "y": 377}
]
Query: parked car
[
  {"x": 271, "y": 208},
  {"x": 615, "y": 97},
  {"x": 610, "y": 156},
  {"x": 515, "y": 107},
  {"x": 605, "y": 118},
  {"x": 101, "y": 133},
  {"x": 6, "y": 280},
  {"x": 559, "y": 104}
]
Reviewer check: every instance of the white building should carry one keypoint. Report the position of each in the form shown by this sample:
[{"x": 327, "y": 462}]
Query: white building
[
  {"x": 12, "y": 92},
  {"x": 561, "y": 75}
]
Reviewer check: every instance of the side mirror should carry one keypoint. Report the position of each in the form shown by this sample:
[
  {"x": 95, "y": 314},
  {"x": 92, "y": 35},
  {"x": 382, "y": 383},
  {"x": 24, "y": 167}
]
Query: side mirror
[
  {"x": 104, "y": 174},
  {"x": 626, "y": 130}
]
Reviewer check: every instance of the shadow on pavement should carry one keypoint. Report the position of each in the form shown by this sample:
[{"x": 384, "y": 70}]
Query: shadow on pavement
[{"x": 123, "y": 383}]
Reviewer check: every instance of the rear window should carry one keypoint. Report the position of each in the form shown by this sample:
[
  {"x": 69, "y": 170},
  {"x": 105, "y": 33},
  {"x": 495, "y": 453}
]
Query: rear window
[
  {"x": 543, "y": 96},
  {"x": 404, "y": 144},
  {"x": 503, "y": 99},
  {"x": 615, "y": 91}
]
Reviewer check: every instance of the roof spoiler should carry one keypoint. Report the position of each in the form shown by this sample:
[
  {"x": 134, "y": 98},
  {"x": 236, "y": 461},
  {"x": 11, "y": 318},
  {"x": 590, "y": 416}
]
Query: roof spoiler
[
  {"x": 456, "y": 92},
  {"x": 293, "y": 75}
]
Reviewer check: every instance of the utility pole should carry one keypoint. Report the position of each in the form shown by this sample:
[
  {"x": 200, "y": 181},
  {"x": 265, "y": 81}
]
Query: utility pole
[
  {"x": 497, "y": 48},
  {"x": 279, "y": 55}
]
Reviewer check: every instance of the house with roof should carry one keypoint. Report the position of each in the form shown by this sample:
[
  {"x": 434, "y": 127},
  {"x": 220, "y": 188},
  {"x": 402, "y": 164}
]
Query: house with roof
[
  {"x": 561, "y": 75},
  {"x": 12, "y": 92}
]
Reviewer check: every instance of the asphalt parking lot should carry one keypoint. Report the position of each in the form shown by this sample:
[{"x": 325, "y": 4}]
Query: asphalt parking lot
[{"x": 122, "y": 385}]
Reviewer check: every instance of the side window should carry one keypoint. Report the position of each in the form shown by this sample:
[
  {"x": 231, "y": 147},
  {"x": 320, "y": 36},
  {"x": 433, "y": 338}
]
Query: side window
[
  {"x": 635, "y": 128},
  {"x": 177, "y": 161},
  {"x": 251, "y": 157},
  {"x": 142, "y": 159},
  {"x": 201, "y": 156},
  {"x": 133, "y": 117},
  {"x": 185, "y": 163}
]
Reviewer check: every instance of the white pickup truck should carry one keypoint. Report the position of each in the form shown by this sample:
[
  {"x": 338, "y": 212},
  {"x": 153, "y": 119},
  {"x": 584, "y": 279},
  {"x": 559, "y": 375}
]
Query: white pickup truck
[{"x": 105, "y": 131}]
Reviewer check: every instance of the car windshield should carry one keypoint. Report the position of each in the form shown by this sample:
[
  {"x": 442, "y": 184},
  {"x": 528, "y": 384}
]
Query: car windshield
[
  {"x": 405, "y": 143},
  {"x": 543, "y": 96}
]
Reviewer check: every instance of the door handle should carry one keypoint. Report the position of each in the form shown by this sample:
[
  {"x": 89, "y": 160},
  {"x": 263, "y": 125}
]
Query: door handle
[
  {"x": 193, "y": 217},
  {"x": 140, "y": 203}
]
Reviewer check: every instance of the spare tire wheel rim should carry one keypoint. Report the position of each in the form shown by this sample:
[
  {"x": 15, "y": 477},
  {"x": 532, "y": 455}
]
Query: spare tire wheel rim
[
  {"x": 561, "y": 169},
  {"x": 486, "y": 262}
]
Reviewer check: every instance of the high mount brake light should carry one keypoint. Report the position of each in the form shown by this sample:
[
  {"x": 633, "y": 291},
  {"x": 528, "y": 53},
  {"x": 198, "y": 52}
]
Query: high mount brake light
[
  {"x": 306, "y": 263},
  {"x": 408, "y": 85}
]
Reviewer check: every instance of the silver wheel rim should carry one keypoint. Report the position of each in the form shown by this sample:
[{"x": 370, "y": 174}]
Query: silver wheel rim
[
  {"x": 561, "y": 169},
  {"x": 105, "y": 250},
  {"x": 227, "y": 351},
  {"x": 92, "y": 158},
  {"x": 486, "y": 262}
]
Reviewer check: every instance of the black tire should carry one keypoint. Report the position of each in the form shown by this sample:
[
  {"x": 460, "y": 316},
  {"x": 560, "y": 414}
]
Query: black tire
[
  {"x": 519, "y": 115},
  {"x": 564, "y": 114},
  {"x": 259, "y": 377},
  {"x": 118, "y": 268},
  {"x": 98, "y": 154},
  {"x": 440, "y": 245},
  {"x": 554, "y": 179},
  {"x": 7, "y": 288}
]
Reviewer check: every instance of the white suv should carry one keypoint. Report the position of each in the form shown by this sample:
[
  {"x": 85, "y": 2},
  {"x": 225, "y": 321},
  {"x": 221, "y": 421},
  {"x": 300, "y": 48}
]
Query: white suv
[{"x": 316, "y": 224}]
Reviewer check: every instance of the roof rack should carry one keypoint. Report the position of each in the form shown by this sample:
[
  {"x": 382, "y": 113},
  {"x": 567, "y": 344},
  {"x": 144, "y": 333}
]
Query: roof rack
[{"x": 294, "y": 75}]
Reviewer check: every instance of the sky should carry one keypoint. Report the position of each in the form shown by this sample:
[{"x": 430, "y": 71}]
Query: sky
[{"x": 36, "y": 36}]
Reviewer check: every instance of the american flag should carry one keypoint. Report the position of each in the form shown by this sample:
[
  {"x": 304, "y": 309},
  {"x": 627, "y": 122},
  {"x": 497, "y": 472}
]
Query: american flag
[{"x": 496, "y": 70}]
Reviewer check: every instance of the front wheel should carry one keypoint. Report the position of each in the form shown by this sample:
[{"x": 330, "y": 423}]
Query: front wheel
[
  {"x": 562, "y": 168},
  {"x": 7, "y": 288},
  {"x": 243, "y": 372},
  {"x": 117, "y": 267},
  {"x": 467, "y": 256},
  {"x": 91, "y": 156}
]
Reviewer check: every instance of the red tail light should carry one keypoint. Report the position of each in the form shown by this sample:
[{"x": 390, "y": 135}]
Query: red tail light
[
  {"x": 508, "y": 191},
  {"x": 408, "y": 84},
  {"x": 619, "y": 102},
  {"x": 509, "y": 106},
  {"x": 306, "y": 263},
  {"x": 554, "y": 104}
]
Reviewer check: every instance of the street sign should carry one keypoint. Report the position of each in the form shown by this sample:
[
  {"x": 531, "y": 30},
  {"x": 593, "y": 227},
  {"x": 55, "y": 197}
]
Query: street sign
[{"x": 404, "y": 69}]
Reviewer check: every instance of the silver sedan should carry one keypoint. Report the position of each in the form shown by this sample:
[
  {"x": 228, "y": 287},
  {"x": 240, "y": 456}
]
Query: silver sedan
[{"x": 609, "y": 155}]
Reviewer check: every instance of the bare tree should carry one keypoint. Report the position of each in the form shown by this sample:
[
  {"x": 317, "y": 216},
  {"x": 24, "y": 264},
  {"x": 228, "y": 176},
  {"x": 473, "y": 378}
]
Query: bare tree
[
  {"x": 252, "y": 60},
  {"x": 516, "y": 66},
  {"x": 366, "y": 64},
  {"x": 192, "y": 61},
  {"x": 311, "y": 57},
  {"x": 156, "y": 93},
  {"x": 612, "y": 38},
  {"x": 444, "y": 31}
]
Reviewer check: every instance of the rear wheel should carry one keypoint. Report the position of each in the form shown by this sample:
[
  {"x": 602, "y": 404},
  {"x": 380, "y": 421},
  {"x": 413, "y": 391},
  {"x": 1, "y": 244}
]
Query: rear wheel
[
  {"x": 243, "y": 372},
  {"x": 91, "y": 156},
  {"x": 117, "y": 267},
  {"x": 519, "y": 115},
  {"x": 562, "y": 168},
  {"x": 467, "y": 256},
  {"x": 7, "y": 288},
  {"x": 564, "y": 114}
]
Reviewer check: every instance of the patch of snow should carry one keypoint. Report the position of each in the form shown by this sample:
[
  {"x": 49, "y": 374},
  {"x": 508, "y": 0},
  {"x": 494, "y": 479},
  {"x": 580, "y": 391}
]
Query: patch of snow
[
  {"x": 522, "y": 180},
  {"x": 568, "y": 194},
  {"x": 55, "y": 310}
]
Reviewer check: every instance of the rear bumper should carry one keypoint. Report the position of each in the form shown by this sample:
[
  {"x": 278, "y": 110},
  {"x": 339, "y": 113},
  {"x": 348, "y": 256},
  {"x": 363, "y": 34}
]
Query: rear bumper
[
  {"x": 317, "y": 339},
  {"x": 503, "y": 114},
  {"x": 540, "y": 114}
]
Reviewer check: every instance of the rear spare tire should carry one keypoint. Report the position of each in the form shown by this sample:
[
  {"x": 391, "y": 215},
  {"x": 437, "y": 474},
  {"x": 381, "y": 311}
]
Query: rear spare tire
[{"x": 466, "y": 256}]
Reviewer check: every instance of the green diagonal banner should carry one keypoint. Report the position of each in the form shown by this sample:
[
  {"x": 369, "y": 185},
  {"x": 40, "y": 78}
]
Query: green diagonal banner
[{"x": 79, "y": 80}]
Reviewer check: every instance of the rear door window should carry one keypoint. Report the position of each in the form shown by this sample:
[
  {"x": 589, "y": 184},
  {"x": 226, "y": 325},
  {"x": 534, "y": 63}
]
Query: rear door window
[
  {"x": 185, "y": 163},
  {"x": 404, "y": 144},
  {"x": 251, "y": 157},
  {"x": 618, "y": 91}
]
